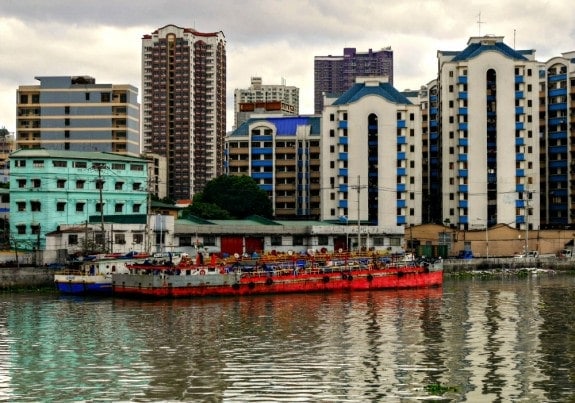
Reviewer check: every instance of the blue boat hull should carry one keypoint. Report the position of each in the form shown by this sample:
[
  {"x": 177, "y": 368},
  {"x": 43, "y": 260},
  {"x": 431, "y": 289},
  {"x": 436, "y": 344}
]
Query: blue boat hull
[{"x": 84, "y": 288}]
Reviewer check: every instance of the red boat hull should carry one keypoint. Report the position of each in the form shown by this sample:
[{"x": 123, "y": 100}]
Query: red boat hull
[{"x": 230, "y": 284}]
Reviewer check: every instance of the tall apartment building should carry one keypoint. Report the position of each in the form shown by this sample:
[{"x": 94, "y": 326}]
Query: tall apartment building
[
  {"x": 337, "y": 74},
  {"x": 283, "y": 155},
  {"x": 49, "y": 188},
  {"x": 74, "y": 113},
  {"x": 265, "y": 99},
  {"x": 371, "y": 168},
  {"x": 557, "y": 137},
  {"x": 489, "y": 126},
  {"x": 184, "y": 105}
]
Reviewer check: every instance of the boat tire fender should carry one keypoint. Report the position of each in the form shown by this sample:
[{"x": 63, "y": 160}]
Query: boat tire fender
[
  {"x": 369, "y": 277},
  {"x": 343, "y": 276},
  {"x": 251, "y": 285},
  {"x": 269, "y": 281},
  {"x": 236, "y": 286},
  {"x": 400, "y": 273},
  {"x": 202, "y": 272},
  {"x": 349, "y": 277},
  {"x": 325, "y": 279}
]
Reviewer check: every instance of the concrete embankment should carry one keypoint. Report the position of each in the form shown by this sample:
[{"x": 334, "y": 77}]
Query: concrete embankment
[{"x": 27, "y": 277}]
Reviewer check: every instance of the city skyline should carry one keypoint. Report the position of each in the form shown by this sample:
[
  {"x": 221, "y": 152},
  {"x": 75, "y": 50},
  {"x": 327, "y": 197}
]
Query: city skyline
[{"x": 278, "y": 42}]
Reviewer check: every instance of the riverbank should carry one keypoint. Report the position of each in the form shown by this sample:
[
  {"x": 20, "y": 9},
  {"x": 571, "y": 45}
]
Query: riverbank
[{"x": 26, "y": 278}]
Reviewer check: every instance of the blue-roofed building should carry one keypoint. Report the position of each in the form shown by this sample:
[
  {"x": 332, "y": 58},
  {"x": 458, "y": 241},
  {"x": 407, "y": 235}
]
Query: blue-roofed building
[
  {"x": 489, "y": 127},
  {"x": 371, "y": 160},
  {"x": 282, "y": 154}
]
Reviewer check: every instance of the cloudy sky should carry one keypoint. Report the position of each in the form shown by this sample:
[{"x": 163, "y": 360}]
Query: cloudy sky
[{"x": 273, "y": 39}]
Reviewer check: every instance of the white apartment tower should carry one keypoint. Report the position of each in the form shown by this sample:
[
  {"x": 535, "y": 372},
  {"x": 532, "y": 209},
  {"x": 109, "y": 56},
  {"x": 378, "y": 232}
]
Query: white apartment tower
[
  {"x": 371, "y": 160},
  {"x": 184, "y": 105},
  {"x": 279, "y": 99},
  {"x": 489, "y": 125}
]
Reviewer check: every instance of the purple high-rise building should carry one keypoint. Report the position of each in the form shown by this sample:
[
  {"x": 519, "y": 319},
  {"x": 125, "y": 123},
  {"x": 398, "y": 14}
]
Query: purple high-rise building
[{"x": 336, "y": 74}]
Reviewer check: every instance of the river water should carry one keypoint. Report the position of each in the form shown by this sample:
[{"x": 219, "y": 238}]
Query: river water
[{"x": 508, "y": 339}]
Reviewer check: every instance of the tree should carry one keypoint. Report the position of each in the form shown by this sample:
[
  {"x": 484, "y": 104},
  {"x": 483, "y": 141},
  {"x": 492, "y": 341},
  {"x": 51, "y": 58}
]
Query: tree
[
  {"x": 209, "y": 211},
  {"x": 240, "y": 196}
]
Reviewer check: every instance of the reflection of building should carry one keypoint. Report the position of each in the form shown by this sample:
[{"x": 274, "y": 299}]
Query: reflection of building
[
  {"x": 76, "y": 114},
  {"x": 282, "y": 155},
  {"x": 183, "y": 105},
  {"x": 53, "y": 188},
  {"x": 336, "y": 74},
  {"x": 265, "y": 99}
]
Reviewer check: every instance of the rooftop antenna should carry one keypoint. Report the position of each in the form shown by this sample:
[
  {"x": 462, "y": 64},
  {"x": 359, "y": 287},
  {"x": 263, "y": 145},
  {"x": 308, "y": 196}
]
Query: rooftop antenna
[
  {"x": 514, "y": 32},
  {"x": 479, "y": 22}
]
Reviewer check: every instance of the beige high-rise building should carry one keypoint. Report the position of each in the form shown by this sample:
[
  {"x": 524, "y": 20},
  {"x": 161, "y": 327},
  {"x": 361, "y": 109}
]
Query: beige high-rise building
[{"x": 184, "y": 105}]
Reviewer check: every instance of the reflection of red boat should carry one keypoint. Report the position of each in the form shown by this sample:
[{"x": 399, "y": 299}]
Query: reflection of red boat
[{"x": 187, "y": 279}]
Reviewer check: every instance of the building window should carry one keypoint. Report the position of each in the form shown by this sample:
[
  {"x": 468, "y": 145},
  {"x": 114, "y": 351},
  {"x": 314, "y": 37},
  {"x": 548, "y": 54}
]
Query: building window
[
  {"x": 80, "y": 207},
  {"x": 138, "y": 238},
  {"x": 298, "y": 240},
  {"x": 331, "y": 117},
  {"x": 61, "y": 183},
  {"x": 185, "y": 241},
  {"x": 72, "y": 239},
  {"x": 80, "y": 184},
  {"x": 118, "y": 166},
  {"x": 38, "y": 163},
  {"x": 118, "y": 185},
  {"x": 20, "y": 163},
  {"x": 136, "y": 186},
  {"x": 136, "y": 167},
  {"x": 276, "y": 240},
  {"x": 136, "y": 208},
  {"x": 21, "y": 183},
  {"x": 99, "y": 207},
  {"x": 322, "y": 240},
  {"x": 209, "y": 240},
  {"x": 35, "y": 229},
  {"x": 36, "y": 183},
  {"x": 80, "y": 164},
  {"x": 60, "y": 164},
  {"x": 120, "y": 239},
  {"x": 61, "y": 206},
  {"x": 21, "y": 229},
  {"x": 35, "y": 205},
  {"x": 100, "y": 184},
  {"x": 119, "y": 207},
  {"x": 21, "y": 206}
]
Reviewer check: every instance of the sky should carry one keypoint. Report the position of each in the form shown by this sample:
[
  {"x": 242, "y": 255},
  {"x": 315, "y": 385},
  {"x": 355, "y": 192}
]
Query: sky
[{"x": 272, "y": 39}]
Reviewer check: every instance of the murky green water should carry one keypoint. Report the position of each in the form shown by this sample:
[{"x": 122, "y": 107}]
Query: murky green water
[{"x": 510, "y": 339}]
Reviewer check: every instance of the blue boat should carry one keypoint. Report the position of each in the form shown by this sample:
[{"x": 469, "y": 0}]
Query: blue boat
[{"x": 90, "y": 277}]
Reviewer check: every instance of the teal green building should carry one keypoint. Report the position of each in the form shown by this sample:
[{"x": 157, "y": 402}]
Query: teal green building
[{"x": 50, "y": 188}]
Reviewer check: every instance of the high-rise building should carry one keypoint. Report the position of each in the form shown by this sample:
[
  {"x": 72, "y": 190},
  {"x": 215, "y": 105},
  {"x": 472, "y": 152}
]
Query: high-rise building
[
  {"x": 489, "y": 126},
  {"x": 76, "y": 114},
  {"x": 557, "y": 138},
  {"x": 370, "y": 164},
  {"x": 278, "y": 99},
  {"x": 184, "y": 105},
  {"x": 336, "y": 74}
]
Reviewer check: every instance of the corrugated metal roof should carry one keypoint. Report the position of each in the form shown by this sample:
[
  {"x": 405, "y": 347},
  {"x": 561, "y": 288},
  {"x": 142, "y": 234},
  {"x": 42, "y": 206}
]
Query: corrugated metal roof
[
  {"x": 360, "y": 90},
  {"x": 285, "y": 125},
  {"x": 475, "y": 49}
]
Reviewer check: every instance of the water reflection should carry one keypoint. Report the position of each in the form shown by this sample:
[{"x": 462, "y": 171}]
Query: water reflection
[{"x": 507, "y": 340}]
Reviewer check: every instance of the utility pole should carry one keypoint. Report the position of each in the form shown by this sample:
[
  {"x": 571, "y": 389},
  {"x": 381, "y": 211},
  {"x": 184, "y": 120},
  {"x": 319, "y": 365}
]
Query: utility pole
[
  {"x": 358, "y": 188},
  {"x": 100, "y": 184}
]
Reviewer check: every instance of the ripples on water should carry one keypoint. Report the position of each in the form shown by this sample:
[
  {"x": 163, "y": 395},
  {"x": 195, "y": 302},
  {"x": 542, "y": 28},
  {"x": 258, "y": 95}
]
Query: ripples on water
[{"x": 507, "y": 340}]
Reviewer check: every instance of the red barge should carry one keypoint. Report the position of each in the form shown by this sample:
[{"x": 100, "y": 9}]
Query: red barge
[{"x": 316, "y": 274}]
